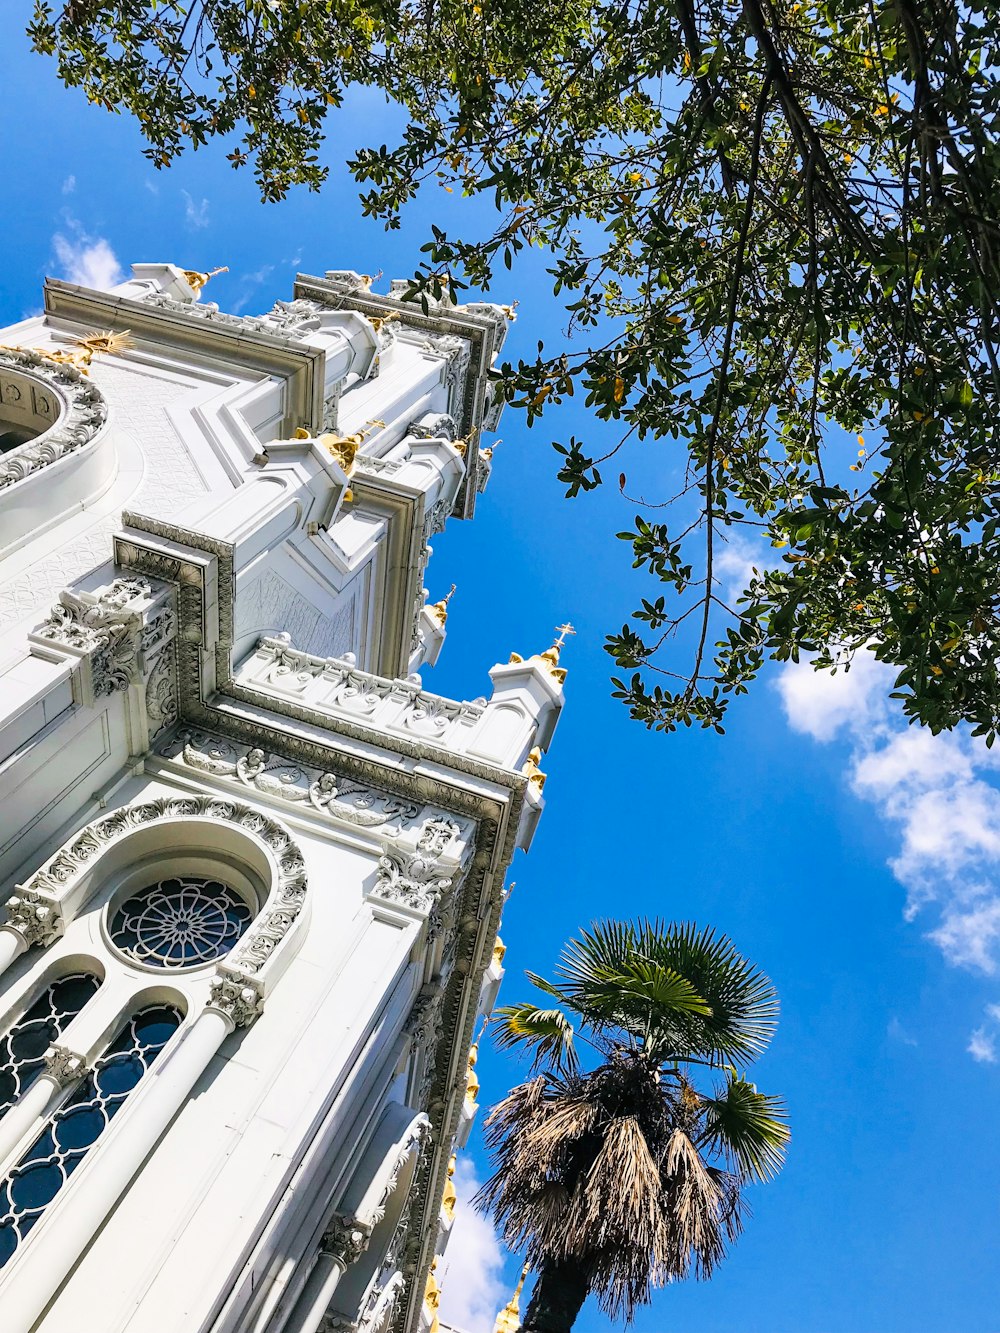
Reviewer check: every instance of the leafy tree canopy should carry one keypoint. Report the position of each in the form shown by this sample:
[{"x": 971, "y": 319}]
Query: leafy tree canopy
[{"x": 775, "y": 229}]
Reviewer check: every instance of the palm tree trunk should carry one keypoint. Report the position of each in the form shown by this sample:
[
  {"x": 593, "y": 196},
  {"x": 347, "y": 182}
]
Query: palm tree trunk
[{"x": 559, "y": 1293}]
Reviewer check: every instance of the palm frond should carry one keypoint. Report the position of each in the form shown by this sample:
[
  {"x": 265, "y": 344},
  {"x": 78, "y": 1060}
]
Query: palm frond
[
  {"x": 546, "y": 1033},
  {"x": 748, "y": 1128}
]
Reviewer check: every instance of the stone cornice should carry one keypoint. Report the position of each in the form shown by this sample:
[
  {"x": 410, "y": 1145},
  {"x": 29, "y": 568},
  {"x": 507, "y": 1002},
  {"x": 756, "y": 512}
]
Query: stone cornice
[{"x": 299, "y": 364}]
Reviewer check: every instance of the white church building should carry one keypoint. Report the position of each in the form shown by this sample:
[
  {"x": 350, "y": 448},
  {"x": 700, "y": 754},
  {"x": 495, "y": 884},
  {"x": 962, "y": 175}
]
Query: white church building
[{"x": 253, "y": 870}]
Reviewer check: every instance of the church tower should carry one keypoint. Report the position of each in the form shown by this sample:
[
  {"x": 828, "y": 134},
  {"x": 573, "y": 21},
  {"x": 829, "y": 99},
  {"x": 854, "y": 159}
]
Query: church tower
[{"x": 253, "y": 870}]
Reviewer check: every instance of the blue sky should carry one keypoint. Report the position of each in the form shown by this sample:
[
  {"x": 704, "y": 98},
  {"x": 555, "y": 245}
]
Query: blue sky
[{"x": 803, "y": 833}]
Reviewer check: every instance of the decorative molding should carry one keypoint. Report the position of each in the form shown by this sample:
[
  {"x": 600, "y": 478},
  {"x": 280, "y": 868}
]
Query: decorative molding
[
  {"x": 105, "y": 627},
  {"x": 412, "y": 879},
  {"x": 434, "y": 425},
  {"x": 63, "y": 1066},
  {"x": 327, "y": 793},
  {"x": 61, "y": 392},
  {"x": 162, "y": 706},
  {"x": 381, "y": 1305},
  {"x": 284, "y": 904},
  {"x": 346, "y": 1239},
  {"x": 35, "y": 915},
  {"x": 237, "y": 998}
]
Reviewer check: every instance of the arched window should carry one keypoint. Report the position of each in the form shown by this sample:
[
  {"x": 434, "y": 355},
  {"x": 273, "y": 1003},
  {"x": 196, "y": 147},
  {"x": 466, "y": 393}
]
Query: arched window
[
  {"x": 22, "y": 1050},
  {"x": 31, "y": 1185}
]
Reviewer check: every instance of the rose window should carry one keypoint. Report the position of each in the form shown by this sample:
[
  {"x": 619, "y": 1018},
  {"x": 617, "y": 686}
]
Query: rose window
[{"x": 180, "y": 922}]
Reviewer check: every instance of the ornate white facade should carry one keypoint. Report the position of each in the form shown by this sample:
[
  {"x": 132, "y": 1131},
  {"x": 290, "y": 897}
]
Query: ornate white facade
[{"x": 253, "y": 870}]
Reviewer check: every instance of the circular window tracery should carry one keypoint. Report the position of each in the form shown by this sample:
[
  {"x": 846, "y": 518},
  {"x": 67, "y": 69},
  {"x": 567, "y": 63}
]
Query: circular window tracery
[{"x": 180, "y": 922}]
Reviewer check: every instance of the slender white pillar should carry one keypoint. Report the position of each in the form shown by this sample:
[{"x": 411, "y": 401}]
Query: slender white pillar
[
  {"x": 58, "y": 1241},
  {"x": 26, "y": 1117},
  {"x": 346, "y": 1239},
  {"x": 316, "y": 1295},
  {"x": 12, "y": 945}
]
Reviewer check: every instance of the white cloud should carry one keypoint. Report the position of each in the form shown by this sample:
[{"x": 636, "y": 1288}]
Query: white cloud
[
  {"x": 471, "y": 1272},
  {"x": 937, "y": 792},
  {"x": 736, "y": 560},
  {"x": 87, "y": 260},
  {"x": 195, "y": 215},
  {"x": 69, "y": 185},
  {"x": 983, "y": 1047},
  {"x": 820, "y": 703}
]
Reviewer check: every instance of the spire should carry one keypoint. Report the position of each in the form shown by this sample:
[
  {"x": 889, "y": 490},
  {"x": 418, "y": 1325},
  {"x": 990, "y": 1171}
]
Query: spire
[
  {"x": 432, "y": 1297},
  {"x": 439, "y": 610},
  {"x": 450, "y": 1198},
  {"x": 509, "y": 1318}
]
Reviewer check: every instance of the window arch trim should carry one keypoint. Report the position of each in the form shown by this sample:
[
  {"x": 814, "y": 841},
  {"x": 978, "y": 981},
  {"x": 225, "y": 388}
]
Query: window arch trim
[{"x": 117, "y": 840}]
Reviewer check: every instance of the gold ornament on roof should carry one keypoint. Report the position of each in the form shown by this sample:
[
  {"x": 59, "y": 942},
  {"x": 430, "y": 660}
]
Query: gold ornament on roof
[
  {"x": 450, "y": 1198},
  {"x": 377, "y": 321},
  {"x": 432, "y": 1297},
  {"x": 472, "y": 1080},
  {"x": 499, "y": 950},
  {"x": 532, "y": 767},
  {"x": 439, "y": 610},
  {"x": 509, "y": 1318},
  {"x": 551, "y": 655},
  {"x": 81, "y": 351},
  {"x": 343, "y": 449},
  {"x": 196, "y": 281}
]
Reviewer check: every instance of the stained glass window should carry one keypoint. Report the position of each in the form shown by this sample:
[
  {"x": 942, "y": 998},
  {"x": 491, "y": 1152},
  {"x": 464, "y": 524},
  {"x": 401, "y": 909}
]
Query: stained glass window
[
  {"x": 180, "y": 922},
  {"x": 31, "y": 1185},
  {"x": 22, "y": 1050}
]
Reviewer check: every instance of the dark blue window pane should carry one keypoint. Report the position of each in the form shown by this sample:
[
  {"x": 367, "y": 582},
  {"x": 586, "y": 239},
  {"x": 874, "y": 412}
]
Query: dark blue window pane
[
  {"x": 180, "y": 922},
  {"x": 23, "y": 1048},
  {"x": 37, "y": 1178}
]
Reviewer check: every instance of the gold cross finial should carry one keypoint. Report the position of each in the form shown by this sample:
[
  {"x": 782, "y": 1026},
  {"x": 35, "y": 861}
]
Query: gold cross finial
[{"x": 562, "y": 631}]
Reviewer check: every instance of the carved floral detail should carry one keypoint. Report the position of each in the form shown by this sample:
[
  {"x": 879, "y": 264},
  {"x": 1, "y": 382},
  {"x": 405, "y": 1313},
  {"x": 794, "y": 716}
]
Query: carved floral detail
[
  {"x": 346, "y": 1239},
  {"x": 161, "y": 694},
  {"x": 63, "y": 1066},
  {"x": 84, "y": 412},
  {"x": 236, "y": 997},
  {"x": 35, "y": 916},
  {"x": 27, "y": 910},
  {"x": 106, "y": 627},
  {"x": 411, "y": 878}
]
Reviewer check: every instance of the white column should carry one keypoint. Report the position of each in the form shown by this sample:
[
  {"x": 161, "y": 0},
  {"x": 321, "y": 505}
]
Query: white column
[
  {"x": 12, "y": 945},
  {"x": 60, "y": 1238},
  {"x": 345, "y": 1241},
  {"x": 26, "y": 1117}
]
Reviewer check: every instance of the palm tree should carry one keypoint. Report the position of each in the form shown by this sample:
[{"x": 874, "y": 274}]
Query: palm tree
[{"x": 625, "y": 1175}]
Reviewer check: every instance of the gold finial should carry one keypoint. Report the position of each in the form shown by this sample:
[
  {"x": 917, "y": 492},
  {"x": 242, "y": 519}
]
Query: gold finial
[
  {"x": 432, "y": 1297},
  {"x": 461, "y": 446},
  {"x": 377, "y": 321},
  {"x": 472, "y": 1082},
  {"x": 509, "y": 1318},
  {"x": 450, "y": 1193},
  {"x": 531, "y": 766},
  {"x": 342, "y": 448},
  {"x": 499, "y": 950},
  {"x": 369, "y": 278},
  {"x": 196, "y": 281},
  {"x": 510, "y": 309},
  {"x": 439, "y": 610},
  {"x": 551, "y": 655}
]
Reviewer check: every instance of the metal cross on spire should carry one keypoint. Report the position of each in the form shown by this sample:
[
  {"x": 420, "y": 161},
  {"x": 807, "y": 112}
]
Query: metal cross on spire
[{"x": 562, "y": 631}]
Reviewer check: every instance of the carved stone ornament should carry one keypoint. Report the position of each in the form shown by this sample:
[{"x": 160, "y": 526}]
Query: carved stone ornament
[
  {"x": 27, "y": 911},
  {"x": 327, "y": 793},
  {"x": 63, "y": 1066},
  {"x": 381, "y": 1304},
  {"x": 332, "y": 1322},
  {"x": 410, "y": 878},
  {"x": 105, "y": 627},
  {"x": 34, "y": 915},
  {"x": 434, "y": 425},
  {"x": 237, "y": 998},
  {"x": 60, "y": 393},
  {"x": 346, "y": 1239},
  {"x": 161, "y": 693}
]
